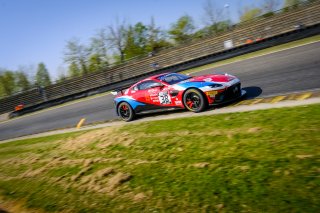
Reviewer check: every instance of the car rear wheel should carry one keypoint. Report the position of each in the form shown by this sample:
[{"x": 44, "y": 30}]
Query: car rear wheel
[
  {"x": 194, "y": 100},
  {"x": 125, "y": 111}
]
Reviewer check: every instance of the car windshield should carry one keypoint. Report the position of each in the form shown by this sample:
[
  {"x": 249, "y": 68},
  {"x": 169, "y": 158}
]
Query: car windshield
[{"x": 173, "y": 78}]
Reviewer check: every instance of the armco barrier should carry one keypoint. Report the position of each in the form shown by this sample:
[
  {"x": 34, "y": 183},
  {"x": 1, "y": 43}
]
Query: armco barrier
[{"x": 304, "y": 19}]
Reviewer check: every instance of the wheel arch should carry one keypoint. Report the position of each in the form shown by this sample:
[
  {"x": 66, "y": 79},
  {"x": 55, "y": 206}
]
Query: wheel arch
[
  {"x": 117, "y": 105},
  {"x": 204, "y": 95}
]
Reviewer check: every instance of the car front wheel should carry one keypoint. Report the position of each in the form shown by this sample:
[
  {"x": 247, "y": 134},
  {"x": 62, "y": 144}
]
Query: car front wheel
[
  {"x": 194, "y": 100},
  {"x": 125, "y": 111}
]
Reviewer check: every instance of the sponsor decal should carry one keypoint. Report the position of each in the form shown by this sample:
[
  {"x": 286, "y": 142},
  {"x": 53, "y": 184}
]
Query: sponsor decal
[
  {"x": 212, "y": 93},
  {"x": 178, "y": 102},
  {"x": 147, "y": 98},
  {"x": 152, "y": 90},
  {"x": 207, "y": 79}
]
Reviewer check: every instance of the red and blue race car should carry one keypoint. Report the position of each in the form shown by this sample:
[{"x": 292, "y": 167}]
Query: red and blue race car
[{"x": 176, "y": 91}]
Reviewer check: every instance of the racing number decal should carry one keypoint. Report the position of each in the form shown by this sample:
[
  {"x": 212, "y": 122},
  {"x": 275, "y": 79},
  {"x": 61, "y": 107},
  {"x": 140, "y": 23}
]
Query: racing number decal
[{"x": 164, "y": 98}]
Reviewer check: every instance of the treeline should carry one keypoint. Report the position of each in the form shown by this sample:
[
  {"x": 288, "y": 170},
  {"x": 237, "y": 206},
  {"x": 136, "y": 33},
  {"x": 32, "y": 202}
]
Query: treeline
[
  {"x": 12, "y": 82},
  {"x": 121, "y": 42}
]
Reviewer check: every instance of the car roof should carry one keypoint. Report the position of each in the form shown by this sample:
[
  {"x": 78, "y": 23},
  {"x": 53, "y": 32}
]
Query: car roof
[{"x": 154, "y": 77}]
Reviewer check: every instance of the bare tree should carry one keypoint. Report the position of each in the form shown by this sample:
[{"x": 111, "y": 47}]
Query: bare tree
[
  {"x": 212, "y": 14},
  {"x": 76, "y": 54},
  {"x": 249, "y": 13},
  {"x": 270, "y": 5},
  {"x": 117, "y": 37},
  {"x": 99, "y": 44}
]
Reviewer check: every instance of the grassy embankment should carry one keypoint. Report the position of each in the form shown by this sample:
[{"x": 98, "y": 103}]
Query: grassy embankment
[{"x": 260, "y": 161}]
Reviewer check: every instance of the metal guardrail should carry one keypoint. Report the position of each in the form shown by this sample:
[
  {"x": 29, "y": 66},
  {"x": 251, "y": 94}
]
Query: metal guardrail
[{"x": 259, "y": 30}]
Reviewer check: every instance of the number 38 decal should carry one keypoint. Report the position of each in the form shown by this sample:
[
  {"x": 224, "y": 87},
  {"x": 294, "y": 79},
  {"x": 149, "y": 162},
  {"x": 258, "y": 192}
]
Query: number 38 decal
[{"x": 164, "y": 98}]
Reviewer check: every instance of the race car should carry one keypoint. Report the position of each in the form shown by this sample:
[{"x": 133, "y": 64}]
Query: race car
[{"x": 176, "y": 91}]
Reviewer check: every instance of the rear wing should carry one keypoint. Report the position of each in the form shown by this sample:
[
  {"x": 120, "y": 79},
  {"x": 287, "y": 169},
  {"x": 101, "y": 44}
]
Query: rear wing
[{"x": 119, "y": 91}]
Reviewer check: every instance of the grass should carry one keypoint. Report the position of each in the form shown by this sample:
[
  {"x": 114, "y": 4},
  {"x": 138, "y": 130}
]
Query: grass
[
  {"x": 256, "y": 54},
  {"x": 259, "y": 161}
]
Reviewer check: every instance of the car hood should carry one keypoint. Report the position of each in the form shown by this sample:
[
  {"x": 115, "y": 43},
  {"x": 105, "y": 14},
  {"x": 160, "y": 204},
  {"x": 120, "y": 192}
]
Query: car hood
[
  {"x": 208, "y": 80},
  {"x": 212, "y": 78}
]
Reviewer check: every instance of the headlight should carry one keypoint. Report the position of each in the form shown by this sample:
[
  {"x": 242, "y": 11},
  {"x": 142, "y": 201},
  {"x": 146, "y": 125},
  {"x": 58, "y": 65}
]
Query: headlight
[{"x": 215, "y": 85}]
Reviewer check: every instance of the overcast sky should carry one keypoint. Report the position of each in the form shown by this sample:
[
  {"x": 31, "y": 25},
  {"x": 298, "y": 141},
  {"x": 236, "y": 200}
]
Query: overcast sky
[{"x": 34, "y": 31}]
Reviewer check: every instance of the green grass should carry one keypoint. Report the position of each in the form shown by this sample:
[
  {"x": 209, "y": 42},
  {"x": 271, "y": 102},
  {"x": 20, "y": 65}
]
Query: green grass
[
  {"x": 259, "y": 161},
  {"x": 256, "y": 53}
]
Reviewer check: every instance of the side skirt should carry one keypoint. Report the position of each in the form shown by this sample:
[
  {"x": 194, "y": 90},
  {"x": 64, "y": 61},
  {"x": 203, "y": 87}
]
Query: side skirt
[{"x": 158, "y": 110}]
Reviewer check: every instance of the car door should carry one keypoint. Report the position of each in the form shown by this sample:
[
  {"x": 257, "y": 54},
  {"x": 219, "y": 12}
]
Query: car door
[{"x": 147, "y": 93}]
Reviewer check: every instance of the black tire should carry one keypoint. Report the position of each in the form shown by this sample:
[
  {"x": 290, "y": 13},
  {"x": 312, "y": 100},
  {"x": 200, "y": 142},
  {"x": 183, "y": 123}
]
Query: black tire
[
  {"x": 125, "y": 111},
  {"x": 194, "y": 100}
]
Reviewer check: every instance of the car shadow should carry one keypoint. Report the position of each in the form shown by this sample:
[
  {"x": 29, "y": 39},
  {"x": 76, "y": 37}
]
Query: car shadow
[
  {"x": 155, "y": 114},
  {"x": 251, "y": 92}
]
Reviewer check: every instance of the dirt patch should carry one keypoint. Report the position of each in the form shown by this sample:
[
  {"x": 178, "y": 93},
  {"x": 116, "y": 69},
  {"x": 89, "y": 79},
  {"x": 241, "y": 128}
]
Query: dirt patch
[
  {"x": 101, "y": 138},
  {"x": 254, "y": 129},
  {"x": 123, "y": 138},
  {"x": 103, "y": 181},
  {"x": 80, "y": 174},
  {"x": 201, "y": 165},
  {"x": 15, "y": 206},
  {"x": 118, "y": 179},
  {"x": 193, "y": 133},
  {"x": 219, "y": 207},
  {"x": 139, "y": 197},
  {"x": 139, "y": 161},
  {"x": 244, "y": 168},
  {"x": 82, "y": 141},
  {"x": 303, "y": 156},
  {"x": 30, "y": 159},
  {"x": 32, "y": 173}
]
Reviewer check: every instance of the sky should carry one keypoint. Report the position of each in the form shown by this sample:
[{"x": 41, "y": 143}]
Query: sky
[{"x": 34, "y": 31}]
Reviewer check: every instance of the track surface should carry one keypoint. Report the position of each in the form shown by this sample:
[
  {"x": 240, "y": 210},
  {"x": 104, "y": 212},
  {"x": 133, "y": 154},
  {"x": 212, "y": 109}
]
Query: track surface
[{"x": 290, "y": 70}]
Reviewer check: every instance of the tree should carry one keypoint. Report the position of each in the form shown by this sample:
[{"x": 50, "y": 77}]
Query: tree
[
  {"x": 73, "y": 70},
  {"x": 42, "y": 76},
  {"x": 99, "y": 50},
  {"x": 213, "y": 29},
  {"x": 62, "y": 76},
  {"x": 270, "y": 5},
  {"x": 22, "y": 82},
  {"x": 118, "y": 38},
  {"x": 182, "y": 29},
  {"x": 212, "y": 18},
  {"x": 76, "y": 54},
  {"x": 292, "y": 3},
  {"x": 95, "y": 63},
  {"x": 7, "y": 83},
  {"x": 136, "y": 43},
  {"x": 155, "y": 37},
  {"x": 250, "y": 13}
]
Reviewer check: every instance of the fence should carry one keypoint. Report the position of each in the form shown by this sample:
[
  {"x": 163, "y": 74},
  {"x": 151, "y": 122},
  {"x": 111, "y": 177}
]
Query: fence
[{"x": 261, "y": 28}]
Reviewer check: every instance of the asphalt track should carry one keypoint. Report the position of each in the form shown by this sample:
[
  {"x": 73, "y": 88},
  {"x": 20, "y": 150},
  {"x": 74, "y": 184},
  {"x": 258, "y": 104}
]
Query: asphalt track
[{"x": 286, "y": 71}]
